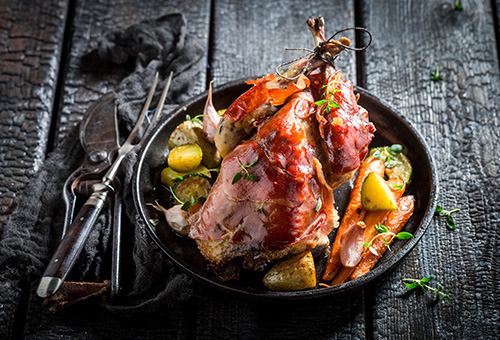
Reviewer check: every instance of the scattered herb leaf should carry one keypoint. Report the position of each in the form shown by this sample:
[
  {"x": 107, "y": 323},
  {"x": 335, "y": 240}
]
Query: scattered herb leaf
[
  {"x": 422, "y": 283},
  {"x": 396, "y": 149},
  {"x": 154, "y": 221},
  {"x": 260, "y": 209},
  {"x": 247, "y": 176},
  {"x": 195, "y": 119},
  {"x": 189, "y": 204},
  {"x": 318, "y": 205},
  {"x": 397, "y": 186},
  {"x": 382, "y": 231},
  {"x": 458, "y": 6},
  {"x": 377, "y": 154},
  {"x": 177, "y": 179},
  {"x": 447, "y": 214},
  {"x": 236, "y": 177},
  {"x": 435, "y": 76},
  {"x": 331, "y": 103}
]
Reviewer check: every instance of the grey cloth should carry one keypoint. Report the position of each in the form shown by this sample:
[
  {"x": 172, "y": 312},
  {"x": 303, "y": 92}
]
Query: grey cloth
[{"x": 32, "y": 234}]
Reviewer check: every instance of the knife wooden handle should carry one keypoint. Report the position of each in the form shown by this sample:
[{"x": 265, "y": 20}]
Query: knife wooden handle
[{"x": 72, "y": 244}]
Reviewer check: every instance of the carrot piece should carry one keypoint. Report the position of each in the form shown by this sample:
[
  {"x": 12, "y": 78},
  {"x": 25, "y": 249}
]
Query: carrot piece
[
  {"x": 354, "y": 213},
  {"x": 394, "y": 223},
  {"x": 373, "y": 218},
  {"x": 343, "y": 275}
]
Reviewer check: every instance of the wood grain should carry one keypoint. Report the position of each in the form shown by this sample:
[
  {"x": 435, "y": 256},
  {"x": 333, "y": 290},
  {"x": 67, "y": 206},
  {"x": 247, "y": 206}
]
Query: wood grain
[
  {"x": 30, "y": 47},
  {"x": 85, "y": 80},
  {"x": 458, "y": 118},
  {"x": 249, "y": 39},
  {"x": 28, "y": 76},
  {"x": 81, "y": 86}
]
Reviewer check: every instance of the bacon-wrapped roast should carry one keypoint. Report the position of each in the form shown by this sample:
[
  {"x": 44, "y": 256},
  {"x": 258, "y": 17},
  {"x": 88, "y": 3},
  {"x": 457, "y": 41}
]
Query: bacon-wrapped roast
[{"x": 282, "y": 201}]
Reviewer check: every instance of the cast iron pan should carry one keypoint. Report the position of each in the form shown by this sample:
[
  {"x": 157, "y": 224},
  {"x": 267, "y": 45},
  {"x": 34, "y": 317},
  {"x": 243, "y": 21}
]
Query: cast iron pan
[{"x": 391, "y": 128}]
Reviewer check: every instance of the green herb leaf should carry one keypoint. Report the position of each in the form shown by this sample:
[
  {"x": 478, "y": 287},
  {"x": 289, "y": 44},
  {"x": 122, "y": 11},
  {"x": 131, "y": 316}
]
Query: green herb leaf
[
  {"x": 377, "y": 154},
  {"x": 236, "y": 177},
  {"x": 192, "y": 202},
  {"x": 411, "y": 285},
  {"x": 427, "y": 279},
  {"x": 154, "y": 221},
  {"x": 177, "y": 179},
  {"x": 404, "y": 235},
  {"x": 458, "y": 6},
  {"x": 260, "y": 208},
  {"x": 392, "y": 163},
  {"x": 243, "y": 169},
  {"x": 381, "y": 228},
  {"x": 396, "y": 149},
  {"x": 422, "y": 283},
  {"x": 397, "y": 186},
  {"x": 450, "y": 220},
  {"x": 318, "y": 205},
  {"x": 334, "y": 105},
  {"x": 195, "y": 119},
  {"x": 320, "y": 102},
  {"x": 436, "y": 76}
]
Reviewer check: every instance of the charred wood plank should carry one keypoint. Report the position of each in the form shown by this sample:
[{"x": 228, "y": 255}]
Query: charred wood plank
[{"x": 458, "y": 118}]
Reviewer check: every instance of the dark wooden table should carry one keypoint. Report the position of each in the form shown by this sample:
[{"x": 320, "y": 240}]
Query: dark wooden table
[{"x": 44, "y": 91}]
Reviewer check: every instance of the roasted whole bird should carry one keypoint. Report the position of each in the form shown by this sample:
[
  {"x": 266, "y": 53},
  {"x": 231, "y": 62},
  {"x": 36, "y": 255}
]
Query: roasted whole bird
[{"x": 287, "y": 143}]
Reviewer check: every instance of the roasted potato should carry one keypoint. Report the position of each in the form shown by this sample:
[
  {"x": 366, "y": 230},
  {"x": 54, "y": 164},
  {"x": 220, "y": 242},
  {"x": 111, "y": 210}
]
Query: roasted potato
[
  {"x": 296, "y": 273},
  {"x": 185, "y": 158},
  {"x": 190, "y": 132}
]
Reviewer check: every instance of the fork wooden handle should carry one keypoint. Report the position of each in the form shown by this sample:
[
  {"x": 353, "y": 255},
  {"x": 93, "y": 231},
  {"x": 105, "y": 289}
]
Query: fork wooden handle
[{"x": 72, "y": 244}]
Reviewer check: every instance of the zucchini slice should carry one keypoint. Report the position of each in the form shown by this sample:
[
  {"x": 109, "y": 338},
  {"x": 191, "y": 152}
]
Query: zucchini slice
[
  {"x": 192, "y": 187},
  {"x": 396, "y": 163}
]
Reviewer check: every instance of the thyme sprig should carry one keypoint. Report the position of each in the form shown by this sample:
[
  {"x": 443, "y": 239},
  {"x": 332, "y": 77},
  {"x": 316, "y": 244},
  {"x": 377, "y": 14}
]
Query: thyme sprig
[
  {"x": 195, "y": 119},
  {"x": 435, "y": 76},
  {"x": 260, "y": 209},
  {"x": 447, "y": 213},
  {"x": 244, "y": 172},
  {"x": 422, "y": 283},
  {"x": 383, "y": 231},
  {"x": 332, "y": 104},
  {"x": 188, "y": 204}
]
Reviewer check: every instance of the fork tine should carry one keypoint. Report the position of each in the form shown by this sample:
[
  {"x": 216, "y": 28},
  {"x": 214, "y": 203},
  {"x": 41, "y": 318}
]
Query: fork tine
[
  {"x": 159, "y": 108},
  {"x": 145, "y": 108}
]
